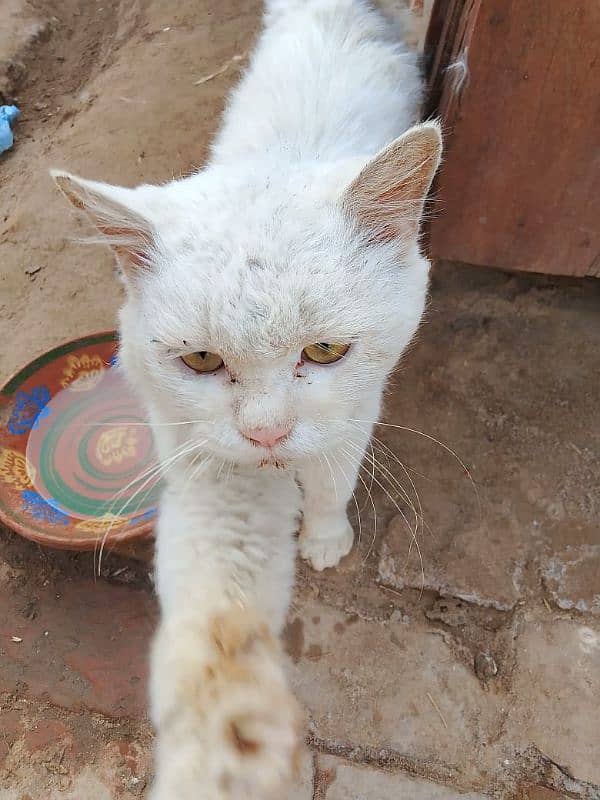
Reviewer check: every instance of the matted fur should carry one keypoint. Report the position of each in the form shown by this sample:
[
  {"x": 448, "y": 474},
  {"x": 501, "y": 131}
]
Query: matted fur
[{"x": 302, "y": 228}]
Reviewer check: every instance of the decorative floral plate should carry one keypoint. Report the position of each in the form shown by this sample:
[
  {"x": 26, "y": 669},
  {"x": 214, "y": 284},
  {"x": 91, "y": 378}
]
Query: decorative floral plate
[{"x": 76, "y": 455}]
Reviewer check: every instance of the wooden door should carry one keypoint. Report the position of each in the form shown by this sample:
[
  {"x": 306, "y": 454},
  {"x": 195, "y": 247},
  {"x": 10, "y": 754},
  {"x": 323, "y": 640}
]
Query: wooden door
[{"x": 517, "y": 85}]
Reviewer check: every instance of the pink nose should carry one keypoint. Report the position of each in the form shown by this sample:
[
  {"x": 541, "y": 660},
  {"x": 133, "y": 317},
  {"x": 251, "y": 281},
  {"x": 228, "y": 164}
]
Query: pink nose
[{"x": 267, "y": 437}]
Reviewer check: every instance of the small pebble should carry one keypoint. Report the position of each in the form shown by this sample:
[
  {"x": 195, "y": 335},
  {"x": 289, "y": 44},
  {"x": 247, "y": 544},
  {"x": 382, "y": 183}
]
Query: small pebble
[{"x": 485, "y": 666}]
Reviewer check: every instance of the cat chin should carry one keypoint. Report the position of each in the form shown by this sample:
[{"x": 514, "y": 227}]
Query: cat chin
[
  {"x": 256, "y": 460},
  {"x": 272, "y": 462},
  {"x": 289, "y": 456},
  {"x": 268, "y": 462}
]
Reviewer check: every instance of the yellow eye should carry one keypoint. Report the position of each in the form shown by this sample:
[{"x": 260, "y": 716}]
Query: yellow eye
[
  {"x": 203, "y": 361},
  {"x": 325, "y": 352}
]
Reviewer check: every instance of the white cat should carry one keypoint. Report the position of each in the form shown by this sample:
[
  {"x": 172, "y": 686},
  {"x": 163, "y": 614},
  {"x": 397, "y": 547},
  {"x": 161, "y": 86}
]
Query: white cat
[{"x": 269, "y": 297}]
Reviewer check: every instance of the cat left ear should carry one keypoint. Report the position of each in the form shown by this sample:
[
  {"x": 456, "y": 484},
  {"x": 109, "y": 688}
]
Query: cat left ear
[
  {"x": 116, "y": 213},
  {"x": 389, "y": 193}
]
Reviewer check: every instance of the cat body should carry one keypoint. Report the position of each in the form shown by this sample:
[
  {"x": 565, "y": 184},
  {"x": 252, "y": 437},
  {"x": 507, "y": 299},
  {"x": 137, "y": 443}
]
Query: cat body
[{"x": 302, "y": 229}]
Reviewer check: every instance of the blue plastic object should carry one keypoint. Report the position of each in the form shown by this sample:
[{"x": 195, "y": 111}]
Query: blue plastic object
[{"x": 8, "y": 115}]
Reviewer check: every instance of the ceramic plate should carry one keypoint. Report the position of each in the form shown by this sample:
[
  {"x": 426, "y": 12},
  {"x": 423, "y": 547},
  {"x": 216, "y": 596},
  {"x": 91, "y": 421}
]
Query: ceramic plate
[{"x": 76, "y": 456}]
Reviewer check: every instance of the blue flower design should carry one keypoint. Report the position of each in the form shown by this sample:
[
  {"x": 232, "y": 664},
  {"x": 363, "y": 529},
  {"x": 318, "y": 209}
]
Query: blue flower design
[
  {"x": 29, "y": 408},
  {"x": 114, "y": 362},
  {"x": 44, "y": 412},
  {"x": 149, "y": 514},
  {"x": 35, "y": 505}
]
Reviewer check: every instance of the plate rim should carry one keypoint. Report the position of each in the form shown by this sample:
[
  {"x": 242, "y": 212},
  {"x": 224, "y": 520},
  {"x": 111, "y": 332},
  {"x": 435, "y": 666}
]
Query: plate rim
[{"x": 141, "y": 531}]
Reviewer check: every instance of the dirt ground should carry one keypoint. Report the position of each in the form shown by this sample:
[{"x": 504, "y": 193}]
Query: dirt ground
[{"x": 467, "y": 667}]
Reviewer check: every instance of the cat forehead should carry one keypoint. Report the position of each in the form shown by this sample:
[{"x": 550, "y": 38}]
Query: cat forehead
[
  {"x": 222, "y": 206},
  {"x": 272, "y": 272},
  {"x": 250, "y": 307}
]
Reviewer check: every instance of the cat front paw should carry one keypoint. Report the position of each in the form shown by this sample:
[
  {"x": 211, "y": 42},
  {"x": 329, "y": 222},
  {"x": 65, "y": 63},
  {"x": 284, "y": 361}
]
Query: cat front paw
[
  {"x": 264, "y": 738},
  {"x": 324, "y": 544},
  {"x": 232, "y": 729}
]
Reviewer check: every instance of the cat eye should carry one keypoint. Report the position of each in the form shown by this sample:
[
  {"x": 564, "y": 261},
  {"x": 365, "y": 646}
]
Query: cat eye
[
  {"x": 325, "y": 352},
  {"x": 203, "y": 361}
]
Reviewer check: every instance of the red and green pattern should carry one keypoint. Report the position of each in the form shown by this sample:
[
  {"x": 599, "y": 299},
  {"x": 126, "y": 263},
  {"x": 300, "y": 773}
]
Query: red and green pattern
[{"x": 76, "y": 455}]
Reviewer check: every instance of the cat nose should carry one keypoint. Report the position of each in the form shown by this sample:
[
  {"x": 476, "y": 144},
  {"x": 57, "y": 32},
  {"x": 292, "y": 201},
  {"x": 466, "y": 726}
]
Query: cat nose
[{"x": 267, "y": 437}]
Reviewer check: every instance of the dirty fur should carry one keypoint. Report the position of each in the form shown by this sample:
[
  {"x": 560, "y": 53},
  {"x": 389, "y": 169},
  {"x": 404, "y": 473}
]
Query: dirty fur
[{"x": 302, "y": 228}]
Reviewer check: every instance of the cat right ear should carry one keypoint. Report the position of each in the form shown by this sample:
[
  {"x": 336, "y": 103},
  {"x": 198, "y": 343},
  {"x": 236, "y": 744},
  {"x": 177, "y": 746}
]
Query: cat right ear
[
  {"x": 388, "y": 195},
  {"x": 117, "y": 214}
]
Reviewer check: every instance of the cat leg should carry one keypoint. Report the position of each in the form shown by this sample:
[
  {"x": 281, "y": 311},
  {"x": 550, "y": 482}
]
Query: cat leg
[
  {"x": 326, "y": 535},
  {"x": 227, "y": 724}
]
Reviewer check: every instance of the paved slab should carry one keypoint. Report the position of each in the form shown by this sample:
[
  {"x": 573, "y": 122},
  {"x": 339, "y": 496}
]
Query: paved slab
[
  {"x": 386, "y": 686},
  {"x": 52, "y": 753},
  {"x": 572, "y": 577},
  {"x": 342, "y": 781},
  {"x": 81, "y": 644},
  {"x": 453, "y": 565},
  {"x": 556, "y": 686},
  {"x": 303, "y": 788}
]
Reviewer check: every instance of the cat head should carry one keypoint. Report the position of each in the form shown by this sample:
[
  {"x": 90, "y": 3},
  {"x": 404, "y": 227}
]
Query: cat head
[{"x": 266, "y": 305}]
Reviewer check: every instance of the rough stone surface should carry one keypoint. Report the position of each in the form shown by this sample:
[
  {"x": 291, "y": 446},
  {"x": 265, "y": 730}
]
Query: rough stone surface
[
  {"x": 376, "y": 685},
  {"x": 541, "y": 793},
  {"x": 454, "y": 567},
  {"x": 59, "y": 755},
  {"x": 84, "y": 644},
  {"x": 343, "y": 781},
  {"x": 556, "y": 686},
  {"x": 572, "y": 578}
]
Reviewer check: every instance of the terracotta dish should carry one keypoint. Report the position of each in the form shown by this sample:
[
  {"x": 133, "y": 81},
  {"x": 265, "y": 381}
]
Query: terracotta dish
[{"x": 76, "y": 454}]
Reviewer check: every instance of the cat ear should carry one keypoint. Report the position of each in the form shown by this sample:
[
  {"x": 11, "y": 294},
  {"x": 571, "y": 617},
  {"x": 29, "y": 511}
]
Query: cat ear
[
  {"x": 117, "y": 213},
  {"x": 389, "y": 193}
]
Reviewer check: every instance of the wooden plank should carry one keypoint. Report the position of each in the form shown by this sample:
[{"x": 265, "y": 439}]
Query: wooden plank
[{"x": 520, "y": 184}]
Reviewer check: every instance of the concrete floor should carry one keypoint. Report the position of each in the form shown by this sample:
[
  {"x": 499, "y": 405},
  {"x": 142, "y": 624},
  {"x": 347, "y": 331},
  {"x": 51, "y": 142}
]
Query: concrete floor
[{"x": 472, "y": 671}]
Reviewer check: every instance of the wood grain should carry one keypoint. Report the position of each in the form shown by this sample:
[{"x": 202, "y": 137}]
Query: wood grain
[{"x": 520, "y": 186}]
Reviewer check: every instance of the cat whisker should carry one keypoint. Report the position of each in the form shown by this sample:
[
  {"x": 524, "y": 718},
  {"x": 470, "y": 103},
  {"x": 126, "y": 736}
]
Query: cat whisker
[
  {"x": 368, "y": 490},
  {"x": 153, "y": 468},
  {"x": 406, "y": 471},
  {"x": 194, "y": 469},
  {"x": 395, "y": 482},
  {"x": 445, "y": 447},
  {"x": 370, "y": 493},
  {"x": 351, "y": 487},
  {"x": 163, "y": 468},
  {"x": 332, "y": 475},
  {"x": 149, "y": 475},
  {"x": 389, "y": 476},
  {"x": 151, "y": 471},
  {"x": 230, "y": 470},
  {"x": 220, "y": 468},
  {"x": 185, "y": 449},
  {"x": 402, "y": 514}
]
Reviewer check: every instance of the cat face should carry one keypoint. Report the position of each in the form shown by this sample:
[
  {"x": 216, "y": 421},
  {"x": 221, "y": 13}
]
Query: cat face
[{"x": 236, "y": 283}]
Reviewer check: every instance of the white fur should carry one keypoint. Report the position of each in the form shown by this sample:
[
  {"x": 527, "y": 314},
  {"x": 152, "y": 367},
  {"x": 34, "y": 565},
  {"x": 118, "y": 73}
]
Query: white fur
[
  {"x": 224, "y": 547},
  {"x": 270, "y": 248}
]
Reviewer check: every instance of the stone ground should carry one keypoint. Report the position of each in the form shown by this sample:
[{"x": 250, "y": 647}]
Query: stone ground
[{"x": 467, "y": 667}]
